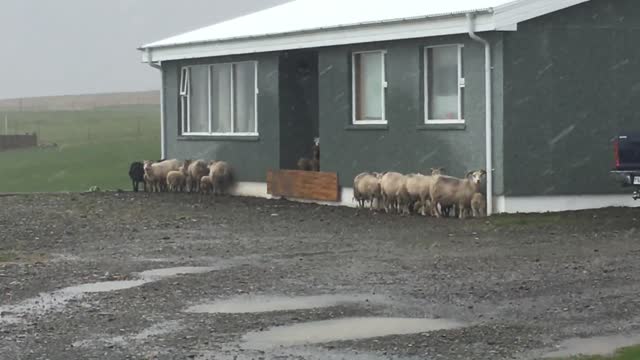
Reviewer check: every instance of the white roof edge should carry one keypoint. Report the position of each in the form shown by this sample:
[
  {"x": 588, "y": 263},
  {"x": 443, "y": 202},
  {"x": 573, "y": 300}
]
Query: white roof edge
[
  {"x": 327, "y": 28},
  {"x": 503, "y": 17}
]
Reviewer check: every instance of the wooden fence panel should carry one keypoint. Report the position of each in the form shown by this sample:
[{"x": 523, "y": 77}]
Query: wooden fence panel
[{"x": 309, "y": 185}]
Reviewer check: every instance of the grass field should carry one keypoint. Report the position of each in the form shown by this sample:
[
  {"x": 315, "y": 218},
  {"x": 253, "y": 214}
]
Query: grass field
[
  {"x": 631, "y": 353},
  {"x": 95, "y": 148}
]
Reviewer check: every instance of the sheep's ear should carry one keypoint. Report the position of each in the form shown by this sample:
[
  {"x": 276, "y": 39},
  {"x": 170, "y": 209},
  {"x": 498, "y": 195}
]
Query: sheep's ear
[{"x": 469, "y": 174}]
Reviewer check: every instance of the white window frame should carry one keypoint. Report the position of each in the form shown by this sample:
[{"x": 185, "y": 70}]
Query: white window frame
[
  {"x": 185, "y": 98},
  {"x": 354, "y": 120},
  {"x": 461, "y": 86}
]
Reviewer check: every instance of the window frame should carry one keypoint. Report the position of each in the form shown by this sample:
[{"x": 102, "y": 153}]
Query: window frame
[
  {"x": 461, "y": 86},
  {"x": 185, "y": 101},
  {"x": 354, "y": 120}
]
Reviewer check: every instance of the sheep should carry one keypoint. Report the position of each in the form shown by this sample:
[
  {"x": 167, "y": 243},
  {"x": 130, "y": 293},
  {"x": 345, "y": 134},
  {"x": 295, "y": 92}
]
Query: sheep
[
  {"x": 136, "y": 174},
  {"x": 206, "y": 184},
  {"x": 366, "y": 187},
  {"x": 394, "y": 192},
  {"x": 478, "y": 205},
  {"x": 418, "y": 189},
  {"x": 221, "y": 176},
  {"x": 176, "y": 181},
  {"x": 448, "y": 190},
  {"x": 312, "y": 164},
  {"x": 195, "y": 170},
  {"x": 157, "y": 171}
]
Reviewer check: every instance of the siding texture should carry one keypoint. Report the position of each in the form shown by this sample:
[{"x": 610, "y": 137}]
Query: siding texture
[
  {"x": 571, "y": 82},
  {"x": 405, "y": 145}
]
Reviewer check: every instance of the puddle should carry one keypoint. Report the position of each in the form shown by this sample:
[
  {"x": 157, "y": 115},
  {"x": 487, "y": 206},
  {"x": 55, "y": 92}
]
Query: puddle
[
  {"x": 159, "y": 274},
  {"x": 100, "y": 287},
  {"x": 603, "y": 345},
  {"x": 51, "y": 301},
  {"x": 259, "y": 304},
  {"x": 343, "y": 329}
]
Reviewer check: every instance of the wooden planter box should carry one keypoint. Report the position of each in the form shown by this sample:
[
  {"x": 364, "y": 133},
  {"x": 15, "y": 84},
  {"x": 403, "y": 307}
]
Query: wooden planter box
[{"x": 309, "y": 185}]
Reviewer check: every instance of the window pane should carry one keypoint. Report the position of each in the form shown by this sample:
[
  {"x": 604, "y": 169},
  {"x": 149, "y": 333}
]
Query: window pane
[
  {"x": 221, "y": 98},
  {"x": 442, "y": 75},
  {"x": 368, "y": 86},
  {"x": 199, "y": 99},
  {"x": 244, "y": 87},
  {"x": 184, "y": 76}
]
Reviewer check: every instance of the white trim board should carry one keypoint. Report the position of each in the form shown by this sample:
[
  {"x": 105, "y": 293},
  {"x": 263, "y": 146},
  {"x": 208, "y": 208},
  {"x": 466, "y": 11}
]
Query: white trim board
[
  {"x": 509, "y": 205},
  {"x": 541, "y": 204},
  {"x": 259, "y": 189}
]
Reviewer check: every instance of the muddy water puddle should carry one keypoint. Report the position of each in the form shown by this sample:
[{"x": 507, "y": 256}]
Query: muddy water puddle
[
  {"x": 343, "y": 329},
  {"x": 260, "y": 304},
  {"x": 56, "y": 300},
  {"x": 602, "y": 345}
]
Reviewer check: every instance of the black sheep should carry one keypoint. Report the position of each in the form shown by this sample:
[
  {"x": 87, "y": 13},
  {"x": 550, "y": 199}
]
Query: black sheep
[{"x": 136, "y": 173}]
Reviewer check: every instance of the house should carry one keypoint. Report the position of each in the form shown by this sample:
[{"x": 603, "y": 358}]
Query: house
[{"x": 532, "y": 89}]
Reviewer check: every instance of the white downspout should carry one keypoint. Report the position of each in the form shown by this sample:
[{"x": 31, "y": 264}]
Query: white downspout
[
  {"x": 163, "y": 149},
  {"x": 488, "y": 110}
]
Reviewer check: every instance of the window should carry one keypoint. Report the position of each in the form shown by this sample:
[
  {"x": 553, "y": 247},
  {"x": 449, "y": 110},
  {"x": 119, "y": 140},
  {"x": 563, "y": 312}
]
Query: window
[
  {"x": 219, "y": 99},
  {"x": 368, "y": 82},
  {"x": 444, "y": 84}
]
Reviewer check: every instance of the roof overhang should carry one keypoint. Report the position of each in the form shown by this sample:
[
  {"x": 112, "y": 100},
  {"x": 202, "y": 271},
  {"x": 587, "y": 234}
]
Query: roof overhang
[{"x": 502, "y": 18}]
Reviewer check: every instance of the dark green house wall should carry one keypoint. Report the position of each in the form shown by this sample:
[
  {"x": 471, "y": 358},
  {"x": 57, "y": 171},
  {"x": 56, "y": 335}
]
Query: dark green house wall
[
  {"x": 251, "y": 157},
  {"x": 405, "y": 144},
  {"x": 571, "y": 82}
]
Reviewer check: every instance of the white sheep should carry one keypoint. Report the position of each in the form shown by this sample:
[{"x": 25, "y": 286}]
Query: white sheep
[
  {"x": 478, "y": 205},
  {"x": 221, "y": 176},
  {"x": 366, "y": 187},
  {"x": 394, "y": 192},
  {"x": 206, "y": 184},
  {"x": 195, "y": 170},
  {"x": 450, "y": 191},
  {"x": 176, "y": 181},
  {"x": 157, "y": 171}
]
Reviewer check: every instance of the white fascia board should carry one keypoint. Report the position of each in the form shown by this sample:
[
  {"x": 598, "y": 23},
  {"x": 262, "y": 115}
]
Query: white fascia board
[
  {"x": 523, "y": 10},
  {"x": 450, "y": 25}
]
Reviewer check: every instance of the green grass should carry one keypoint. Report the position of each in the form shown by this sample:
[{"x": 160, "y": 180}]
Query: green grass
[
  {"x": 95, "y": 148},
  {"x": 630, "y": 353}
]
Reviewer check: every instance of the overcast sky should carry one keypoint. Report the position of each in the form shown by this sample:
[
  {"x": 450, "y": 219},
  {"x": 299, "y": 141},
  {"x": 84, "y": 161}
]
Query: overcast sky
[{"x": 59, "y": 47}]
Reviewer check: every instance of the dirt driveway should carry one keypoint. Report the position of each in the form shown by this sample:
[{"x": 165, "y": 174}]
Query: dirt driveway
[{"x": 148, "y": 276}]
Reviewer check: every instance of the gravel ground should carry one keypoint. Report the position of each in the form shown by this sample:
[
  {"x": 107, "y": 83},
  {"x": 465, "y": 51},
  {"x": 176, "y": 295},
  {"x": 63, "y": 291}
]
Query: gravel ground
[{"x": 519, "y": 285}]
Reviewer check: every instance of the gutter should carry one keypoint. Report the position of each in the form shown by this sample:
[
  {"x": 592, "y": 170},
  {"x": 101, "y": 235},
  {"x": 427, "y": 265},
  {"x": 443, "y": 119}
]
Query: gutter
[
  {"x": 488, "y": 110},
  {"x": 163, "y": 147}
]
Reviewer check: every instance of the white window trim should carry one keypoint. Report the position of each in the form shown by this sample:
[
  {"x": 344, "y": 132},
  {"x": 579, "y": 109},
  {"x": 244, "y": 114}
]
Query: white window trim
[
  {"x": 461, "y": 86},
  {"x": 186, "y": 100},
  {"x": 355, "y": 121}
]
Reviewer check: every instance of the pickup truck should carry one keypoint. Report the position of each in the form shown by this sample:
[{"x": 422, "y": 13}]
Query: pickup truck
[{"x": 627, "y": 161}]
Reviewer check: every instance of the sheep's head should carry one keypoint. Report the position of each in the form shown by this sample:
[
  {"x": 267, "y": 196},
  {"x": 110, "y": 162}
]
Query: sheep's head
[
  {"x": 437, "y": 171},
  {"x": 147, "y": 165},
  {"x": 476, "y": 176}
]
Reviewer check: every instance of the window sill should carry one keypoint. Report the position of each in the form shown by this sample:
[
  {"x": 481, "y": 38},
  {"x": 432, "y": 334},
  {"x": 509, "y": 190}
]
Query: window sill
[
  {"x": 250, "y": 137},
  {"x": 443, "y": 126},
  {"x": 367, "y": 127}
]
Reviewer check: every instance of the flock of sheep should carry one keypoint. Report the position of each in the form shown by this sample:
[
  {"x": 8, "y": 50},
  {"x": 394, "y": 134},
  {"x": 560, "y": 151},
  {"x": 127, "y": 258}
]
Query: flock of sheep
[
  {"x": 436, "y": 194},
  {"x": 182, "y": 176}
]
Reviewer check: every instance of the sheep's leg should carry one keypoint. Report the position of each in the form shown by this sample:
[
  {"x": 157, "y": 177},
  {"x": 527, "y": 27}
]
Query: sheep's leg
[
  {"x": 423, "y": 206},
  {"x": 462, "y": 211},
  {"x": 134, "y": 185}
]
